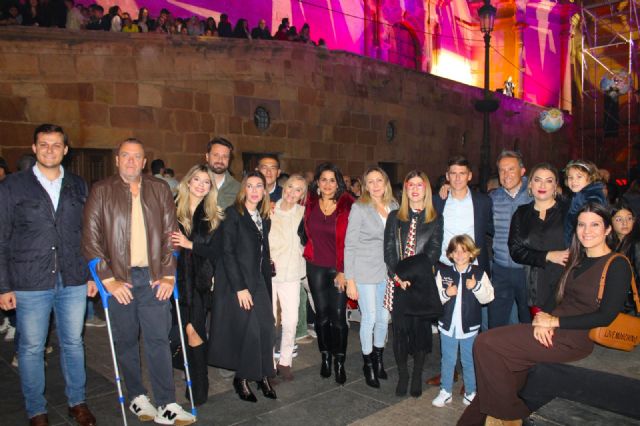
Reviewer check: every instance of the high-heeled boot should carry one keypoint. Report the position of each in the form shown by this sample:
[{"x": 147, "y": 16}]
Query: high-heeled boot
[
  {"x": 416, "y": 376},
  {"x": 198, "y": 372},
  {"x": 338, "y": 368},
  {"x": 378, "y": 363},
  {"x": 325, "y": 365},
  {"x": 267, "y": 390},
  {"x": 243, "y": 390},
  {"x": 369, "y": 371}
]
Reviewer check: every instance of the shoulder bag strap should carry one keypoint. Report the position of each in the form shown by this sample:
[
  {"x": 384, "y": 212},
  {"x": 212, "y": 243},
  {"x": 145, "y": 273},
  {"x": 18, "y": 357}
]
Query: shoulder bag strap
[{"x": 603, "y": 277}]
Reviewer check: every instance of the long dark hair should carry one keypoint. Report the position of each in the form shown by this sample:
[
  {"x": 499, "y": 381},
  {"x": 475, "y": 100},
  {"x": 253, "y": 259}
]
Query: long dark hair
[
  {"x": 623, "y": 245},
  {"x": 342, "y": 187},
  {"x": 576, "y": 250}
]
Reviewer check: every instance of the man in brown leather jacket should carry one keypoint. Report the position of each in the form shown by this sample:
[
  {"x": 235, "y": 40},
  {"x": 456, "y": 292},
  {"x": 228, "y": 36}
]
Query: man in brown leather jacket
[{"x": 128, "y": 219}]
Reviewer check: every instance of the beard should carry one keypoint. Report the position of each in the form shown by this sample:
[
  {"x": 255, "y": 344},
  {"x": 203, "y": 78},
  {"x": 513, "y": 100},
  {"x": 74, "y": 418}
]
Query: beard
[{"x": 218, "y": 168}]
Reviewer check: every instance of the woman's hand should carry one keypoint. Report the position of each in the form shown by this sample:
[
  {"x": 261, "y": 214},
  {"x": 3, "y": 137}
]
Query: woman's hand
[
  {"x": 543, "y": 319},
  {"x": 559, "y": 256},
  {"x": 245, "y": 299},
  {"x": 452, "y": 290},
  {"x": 341, "y": 283},
  {"x": 352, "y": 290},
  {"x": 544, "y": 335},
  {"x": 179, "y": 240}
]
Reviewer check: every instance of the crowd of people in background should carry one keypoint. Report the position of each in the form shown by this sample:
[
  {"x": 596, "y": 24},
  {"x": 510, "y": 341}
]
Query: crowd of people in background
[
  {"x": 66, "y": 14},
  {"x": 506, "y": 277}
]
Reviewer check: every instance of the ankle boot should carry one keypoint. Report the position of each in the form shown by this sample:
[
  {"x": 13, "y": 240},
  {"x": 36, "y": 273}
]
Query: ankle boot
[
  {"x": 416, "y": 376},
  {"x": 267, "y": 390},
  {"x": 243, "y": 390},
  {"x": 378, "y": 363},
  {"x": 338, "y": 367},
  {"x": 369, "y": 371},
  {"x": 325, "y": 365}
]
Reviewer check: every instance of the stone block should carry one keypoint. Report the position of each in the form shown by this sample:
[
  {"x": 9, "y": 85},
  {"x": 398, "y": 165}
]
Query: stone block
[
  {"x": 182, "y": 162},
  {"x": 295, "y": 130},
  {"x": 12, "y": 108},
  {"x": 126, "y": 93},
  {"x": 89, "y": 66},
  {"x": 307, "y": 95},
  {"x": 150, "y": 95},
  {"x": 249, "y": 128},
  {"x": 320, "y": 150},
  {"x": 173, "y": 142},
  {"x": 103, "y": 137},
  {"x": 361, "y": 121},
  {"x": 176, "y": 98},
  {"x": 345, "y": 134},
  {"x": 71, "y": 91},
  {"x": 222, "y": 104},
  {"x": 208, "y": 123},
  {"x": 235, "y": 125},
  {"x": 278, "y": 130},
  {"x": 153, "y": 139},
  {"x": 16, "y": 134},
  {"x": 242, "y": 106},
  {"x": 195, "y": 142},
  {"x": 243, "y": 88},
  {"x": 120, "y": 69},
  {"x": 203, "y": 102},
  {"x": 28, "y": 90},
  {"x": 104, "y": 92},
  {"x": 187, "y": 121},
  {"x": 18, "y": 65},
  {"x": 313, "y": 132},
  {"x": 94, "y": 114},
  {"x": 62, "y": 112},
  {"x": 165, "y": 119},
  {"x": 6, "y": 89},
  {"x": 56, "y": 66},
  {"x": 132, "y": 117}
]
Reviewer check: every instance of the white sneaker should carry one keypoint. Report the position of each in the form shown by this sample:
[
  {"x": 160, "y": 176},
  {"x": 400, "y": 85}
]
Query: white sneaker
[
  {"x": 5, "y": 325},
  {"x": 142, "y": 407},
  {"x": 442, "y": 399},
  {"x": 11, "y": 334},
  {"x": 173, "y": 414},
  {"x": 468, "y": 398}
]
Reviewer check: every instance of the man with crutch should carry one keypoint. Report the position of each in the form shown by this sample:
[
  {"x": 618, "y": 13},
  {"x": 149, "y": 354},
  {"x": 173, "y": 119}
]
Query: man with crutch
[
  {"x": 128, "y": 222},
  {"x": 42, "y": 270}
]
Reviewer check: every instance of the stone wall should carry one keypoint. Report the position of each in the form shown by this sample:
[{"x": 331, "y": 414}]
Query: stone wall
[{"x": 175, "y": 93}]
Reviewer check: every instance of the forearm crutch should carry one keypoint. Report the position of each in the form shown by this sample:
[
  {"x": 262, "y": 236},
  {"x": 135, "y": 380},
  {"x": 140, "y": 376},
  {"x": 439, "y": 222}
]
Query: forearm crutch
[
  {"x": 104, "y": 296},
  {"x": 176, "y": 297}
]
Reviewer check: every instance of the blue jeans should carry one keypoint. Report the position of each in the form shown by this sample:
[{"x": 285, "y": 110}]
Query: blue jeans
[
  {"x": 449, "y": 348},
  {"x": 509, "y": 285},
  {"x": 33, "y": 315},
  {"x": 375, "y": 318}
]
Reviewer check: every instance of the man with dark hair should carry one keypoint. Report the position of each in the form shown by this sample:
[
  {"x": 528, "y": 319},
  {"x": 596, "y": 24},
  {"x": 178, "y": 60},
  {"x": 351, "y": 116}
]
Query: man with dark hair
[
  {"x": 42, "y": 270},
  {"x": 218, "y": 156},
  {"x": 224, "y": 26},
  {"x": 157, "y": 168},
  {"x": 97, "y": 21},
  {"x": 269, "y": 166},
  {"x": 127, "y": 225}
]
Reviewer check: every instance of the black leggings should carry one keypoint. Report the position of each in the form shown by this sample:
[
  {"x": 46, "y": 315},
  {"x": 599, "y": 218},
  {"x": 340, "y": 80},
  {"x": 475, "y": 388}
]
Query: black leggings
[{"x": 331, "y": 309}]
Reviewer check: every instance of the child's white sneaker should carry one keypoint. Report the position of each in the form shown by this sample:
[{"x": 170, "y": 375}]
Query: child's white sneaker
[
  {"x": 142, "y": 408},
  {"x": 173, "y": 414},
  {"x": 442, "y": 399},
  {"x": 468, "y": 398}
]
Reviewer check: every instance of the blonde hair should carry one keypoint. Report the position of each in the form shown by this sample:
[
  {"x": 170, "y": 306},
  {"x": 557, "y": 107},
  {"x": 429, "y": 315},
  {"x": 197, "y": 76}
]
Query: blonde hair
[
  {"x": 297, "y": 177},
  {"x": 212, "y": 212},
  {"x": 584, "y": 166},
  {"x": 264, "y": 207},
  {"x": 387, "y": 197},
  {"x": 403, "y": 211},
  {"x": 467, "y": 244}
]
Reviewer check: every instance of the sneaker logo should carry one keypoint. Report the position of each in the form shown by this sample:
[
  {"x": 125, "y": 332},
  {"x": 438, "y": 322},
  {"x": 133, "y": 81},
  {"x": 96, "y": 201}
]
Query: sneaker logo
[
  {"x": 136, "y": 409},
  {"x": 169, "y": 415}
]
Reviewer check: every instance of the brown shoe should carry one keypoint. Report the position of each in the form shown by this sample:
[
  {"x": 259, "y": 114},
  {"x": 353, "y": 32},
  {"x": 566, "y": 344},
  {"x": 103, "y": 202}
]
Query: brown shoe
[
  {"x": 82, "y": 415},
  {"x": 284, "y": 371},
  {"x": 39, "y": 420},
  {"x": 435, "y": 380}
]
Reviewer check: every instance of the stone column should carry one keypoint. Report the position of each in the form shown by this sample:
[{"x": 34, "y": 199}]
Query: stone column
[{"x": 519, "y": 29}]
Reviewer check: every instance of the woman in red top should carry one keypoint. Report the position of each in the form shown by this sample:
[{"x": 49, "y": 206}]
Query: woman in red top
[{"x": 325, "y": 225}]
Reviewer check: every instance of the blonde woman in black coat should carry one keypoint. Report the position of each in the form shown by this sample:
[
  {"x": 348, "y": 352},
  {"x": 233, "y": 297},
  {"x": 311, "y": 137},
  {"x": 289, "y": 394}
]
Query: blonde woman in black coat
[{"x": 243, "y": 327}]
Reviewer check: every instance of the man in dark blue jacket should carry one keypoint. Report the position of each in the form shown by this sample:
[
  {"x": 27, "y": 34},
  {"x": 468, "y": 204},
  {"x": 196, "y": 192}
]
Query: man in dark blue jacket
[{"x": 42, "y": 270}]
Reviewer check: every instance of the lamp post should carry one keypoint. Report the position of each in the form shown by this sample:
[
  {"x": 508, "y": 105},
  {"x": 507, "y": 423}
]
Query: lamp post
[{"x": 488, "y": 104}]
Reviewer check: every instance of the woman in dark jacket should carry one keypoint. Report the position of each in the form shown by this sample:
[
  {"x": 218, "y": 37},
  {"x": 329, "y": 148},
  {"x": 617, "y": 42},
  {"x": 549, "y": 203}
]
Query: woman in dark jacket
[
  {"x": 200, "y": 244},
  {"x": 325, "y": 224},
  {"x": 536, "y": 236},
  {"x": 413, "y": 232},
  {"x": 242, "y": 325},
  {"x": 626, "y": 238}
]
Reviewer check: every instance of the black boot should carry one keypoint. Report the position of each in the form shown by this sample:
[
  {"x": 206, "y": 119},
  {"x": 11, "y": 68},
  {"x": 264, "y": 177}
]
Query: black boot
[
  {"x": 416, "y": 376},
  {"x": 338, "y": 367},
  {"x": 401, "y": 356},
  {"x": 378, "y": 363},
  {"x": 198, "y": 373},
  {"x": 267, "y": 390},
  {"x": 243, "y": 390},
  {"x": 325, "y": 365},
  {"x": 369, "y": 371}
]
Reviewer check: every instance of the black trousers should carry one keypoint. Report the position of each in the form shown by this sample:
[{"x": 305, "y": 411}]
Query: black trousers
[{"x": 331, "y": 309}]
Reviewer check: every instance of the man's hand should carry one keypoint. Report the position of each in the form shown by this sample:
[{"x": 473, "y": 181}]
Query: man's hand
[
  {"x": 444, "y": 191},
  {"x": 245, "y": 299},
  {"x": 92, "y": 288},
  {"x": 120, "y": 290},
  {"x": 8, "y": 301},
  {"x": 164, "y": 288}
]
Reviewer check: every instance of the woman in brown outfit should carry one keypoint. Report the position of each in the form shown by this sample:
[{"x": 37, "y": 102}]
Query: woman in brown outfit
[{"x": 504, "y": 355}]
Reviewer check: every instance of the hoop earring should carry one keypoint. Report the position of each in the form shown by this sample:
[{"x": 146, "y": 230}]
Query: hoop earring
[{"x": 318, "y": 191}]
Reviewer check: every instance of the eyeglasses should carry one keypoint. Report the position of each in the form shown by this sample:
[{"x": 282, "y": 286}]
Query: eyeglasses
[{"x": 415, "y": 185}]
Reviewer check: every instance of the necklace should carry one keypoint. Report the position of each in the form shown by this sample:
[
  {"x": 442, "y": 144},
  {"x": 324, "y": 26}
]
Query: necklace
[{"x": 327, "y": 210}]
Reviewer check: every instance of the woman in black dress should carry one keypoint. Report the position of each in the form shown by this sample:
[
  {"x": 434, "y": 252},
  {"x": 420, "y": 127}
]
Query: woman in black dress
[
  {"x": 200, "y": 243},
  {"x": 242, "y": 326}
]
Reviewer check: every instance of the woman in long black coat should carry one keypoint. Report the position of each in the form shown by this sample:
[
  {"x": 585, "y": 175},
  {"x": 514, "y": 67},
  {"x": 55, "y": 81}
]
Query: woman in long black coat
[
  {"x": 243, "y": 327},
  {"x": 200, "y": 242}
]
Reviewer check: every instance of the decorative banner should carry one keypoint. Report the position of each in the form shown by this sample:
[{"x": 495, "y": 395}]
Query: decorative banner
[{"x": 551, "y": 120}]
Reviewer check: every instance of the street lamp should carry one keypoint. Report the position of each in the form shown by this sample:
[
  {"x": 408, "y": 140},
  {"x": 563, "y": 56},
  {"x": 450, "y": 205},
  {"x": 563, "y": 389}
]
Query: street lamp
[{"x": 488, "y": 104}]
